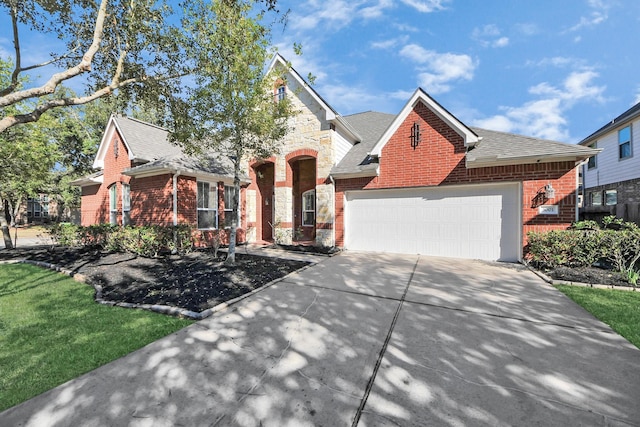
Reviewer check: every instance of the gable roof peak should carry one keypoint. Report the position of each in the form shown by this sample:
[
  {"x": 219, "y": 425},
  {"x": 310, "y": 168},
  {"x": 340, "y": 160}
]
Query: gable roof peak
[{"x": 420, "y": 96}]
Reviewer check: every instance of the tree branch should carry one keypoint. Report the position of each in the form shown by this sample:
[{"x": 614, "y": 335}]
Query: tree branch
[
  {"x": 38, "y": 111},
  {"x": 16, "y": 44},
  {"x": 55, "y": 80}
]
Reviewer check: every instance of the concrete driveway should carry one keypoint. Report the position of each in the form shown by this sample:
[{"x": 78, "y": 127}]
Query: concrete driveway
[{"x": 370, "y": 340}]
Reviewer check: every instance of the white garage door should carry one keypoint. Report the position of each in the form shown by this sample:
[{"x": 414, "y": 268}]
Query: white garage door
[{"x": 476, "y": 222}]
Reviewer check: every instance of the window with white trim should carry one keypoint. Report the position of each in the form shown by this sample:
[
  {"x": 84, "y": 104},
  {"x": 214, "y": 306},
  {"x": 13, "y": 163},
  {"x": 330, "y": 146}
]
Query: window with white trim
[
  {"x": 38, "y": 207},
  {"x": 281, "y": 92},
  {"x": 611, "y": 197},
  {"x": 624, "y": 142},
  {"x": 207, "y": 202},
  {"x": 596, "y": 198},
  {"x": 113, "y": 204},
  {"x": 591, "y": 163},
  {"x": 309, "y": 208},
  {"x": 228, "y": 206},
  {"x": 126, "y": 204}
]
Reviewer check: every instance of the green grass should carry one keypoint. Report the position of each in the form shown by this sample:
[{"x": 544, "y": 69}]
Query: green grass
[
  {"x": 618, "y": 309},
  {"x": 51, "y": 331}
]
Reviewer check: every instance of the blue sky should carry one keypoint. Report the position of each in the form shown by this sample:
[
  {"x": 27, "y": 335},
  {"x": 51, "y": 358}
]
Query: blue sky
[{"x": 556, "y": 69}]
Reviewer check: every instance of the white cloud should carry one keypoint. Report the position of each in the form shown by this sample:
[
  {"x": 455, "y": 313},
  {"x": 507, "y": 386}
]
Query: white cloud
[
  {"x": 557, "y": 61},
  {"x": 438, "y": 70},
  {"x": 426, "y": 6},
  {"x": 335, "y": 14},
  {"x": 599, "y": 13},
  {"x": 544, "y": 117},
  {"x": 405, "y": 28},
  {"x": 349, "y": 99},
  {"x": 389, "y": 44},
  {"x": 376, "y": 10},
  {"x": 331, "y": 13},
  {"x": 501, "y": 42},
  {"x": 527, "y": 28},
  {"x": 489, "y": 35},
  {"x": 637, "y": 98},
  {"x": 305, "y": 63}
]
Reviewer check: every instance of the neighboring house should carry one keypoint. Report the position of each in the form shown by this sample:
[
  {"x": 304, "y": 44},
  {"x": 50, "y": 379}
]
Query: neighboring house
[
  {"x": 417, "y": 182},
  {"x": 612, "y": 178},
  {"x": 43, "y": 209}
]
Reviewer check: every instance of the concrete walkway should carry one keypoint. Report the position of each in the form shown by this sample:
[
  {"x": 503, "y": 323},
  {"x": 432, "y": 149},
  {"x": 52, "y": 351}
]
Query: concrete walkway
[{"x": 369, "y": 340}]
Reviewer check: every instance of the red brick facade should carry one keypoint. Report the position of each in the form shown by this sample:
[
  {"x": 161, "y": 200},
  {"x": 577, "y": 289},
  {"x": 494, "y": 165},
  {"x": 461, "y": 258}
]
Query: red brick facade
[
  {"x": 439, "y": 160},
  {"x": 151, "y": 196},
  {"x": 95, "y": 199}
]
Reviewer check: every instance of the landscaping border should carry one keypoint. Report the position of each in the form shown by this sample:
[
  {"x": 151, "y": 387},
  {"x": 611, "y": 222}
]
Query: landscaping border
[
  {"x": 158, "y": 308},
  {"x": 555, "y": 282}
]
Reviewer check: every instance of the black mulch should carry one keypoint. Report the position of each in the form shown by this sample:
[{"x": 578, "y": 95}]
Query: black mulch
[
  {"x": 195, "y": 281},
  {"x": 592, "y": 275}
]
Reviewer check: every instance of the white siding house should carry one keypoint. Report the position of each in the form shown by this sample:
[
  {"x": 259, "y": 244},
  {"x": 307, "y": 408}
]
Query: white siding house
[{"x": 611, "y": 179}]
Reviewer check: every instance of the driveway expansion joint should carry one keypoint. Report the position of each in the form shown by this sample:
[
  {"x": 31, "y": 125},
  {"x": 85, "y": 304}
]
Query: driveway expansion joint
[{"x": 383, "y": 350}]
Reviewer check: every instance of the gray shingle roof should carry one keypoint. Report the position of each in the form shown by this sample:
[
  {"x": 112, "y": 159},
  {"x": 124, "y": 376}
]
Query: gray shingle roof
[
  {"x": 507, "y": 147},
  {"x": 211, "y": 165},
  {"x": 146, "y": 141},
  {"x": 370, "y": 126},
  {"x": 153, "y": 153},
  {"x": 630, "y": 114}
]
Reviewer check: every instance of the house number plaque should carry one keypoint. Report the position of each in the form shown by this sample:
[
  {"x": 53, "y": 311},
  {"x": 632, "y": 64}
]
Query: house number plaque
[{"x": 548, "y": 210}]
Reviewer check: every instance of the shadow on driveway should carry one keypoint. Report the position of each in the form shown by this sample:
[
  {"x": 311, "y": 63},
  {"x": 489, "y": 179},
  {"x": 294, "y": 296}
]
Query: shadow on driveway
[{"x": 370, "y": 339}]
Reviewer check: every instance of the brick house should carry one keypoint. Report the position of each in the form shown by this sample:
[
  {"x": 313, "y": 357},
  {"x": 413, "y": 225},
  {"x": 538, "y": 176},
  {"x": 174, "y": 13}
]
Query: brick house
[
  {"x": 144, "y": 179},
  {"x": 612, "y": 178},
  {"x": 420, "y": 181}
]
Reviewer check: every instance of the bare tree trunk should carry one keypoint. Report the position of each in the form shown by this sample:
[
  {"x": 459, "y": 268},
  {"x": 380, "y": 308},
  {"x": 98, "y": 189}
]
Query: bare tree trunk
[
  {"x": 6, "y": 233},
  {"x": 231, "y": 254}
]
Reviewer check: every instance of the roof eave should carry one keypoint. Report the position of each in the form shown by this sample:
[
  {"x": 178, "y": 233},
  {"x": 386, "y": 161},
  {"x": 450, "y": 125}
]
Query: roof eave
[
  {"x": 525, "y": 160},
  {"x": 367, "y": 173},
  {"x": 160, "y": 170},
  {"x": 87, "y": 182}
]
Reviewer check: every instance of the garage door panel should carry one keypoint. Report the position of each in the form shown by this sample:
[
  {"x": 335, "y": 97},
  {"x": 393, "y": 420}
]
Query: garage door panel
[{"x": 469, "y": 222}]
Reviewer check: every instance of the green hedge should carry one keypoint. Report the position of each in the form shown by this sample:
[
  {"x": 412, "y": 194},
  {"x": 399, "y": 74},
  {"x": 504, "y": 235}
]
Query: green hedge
[
  {"x": 585, "y": 243},
  {"x": 148, "y": 240}
]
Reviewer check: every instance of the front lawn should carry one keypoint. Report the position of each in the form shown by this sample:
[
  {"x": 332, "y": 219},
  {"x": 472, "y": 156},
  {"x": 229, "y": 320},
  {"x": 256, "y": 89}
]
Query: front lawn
[
  {"x": 618, "y": 309},
  {"x": 51, "y": 331}
]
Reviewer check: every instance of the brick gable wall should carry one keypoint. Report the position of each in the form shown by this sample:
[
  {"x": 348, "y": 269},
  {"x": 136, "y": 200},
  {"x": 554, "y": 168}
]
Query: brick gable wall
[{"x": 95, "y": 199}]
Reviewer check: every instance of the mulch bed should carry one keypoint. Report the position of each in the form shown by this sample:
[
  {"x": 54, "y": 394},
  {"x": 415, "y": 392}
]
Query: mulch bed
[
  {"x": 590, "y": 275},
  {"x": 195, "y": 281}
]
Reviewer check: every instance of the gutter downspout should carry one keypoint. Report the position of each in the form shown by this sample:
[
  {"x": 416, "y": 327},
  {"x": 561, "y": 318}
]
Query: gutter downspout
[
  {"x": 333, "y": 209},
  {"x": 175, "y": 198},
  {"x": 580, "y": 166}
]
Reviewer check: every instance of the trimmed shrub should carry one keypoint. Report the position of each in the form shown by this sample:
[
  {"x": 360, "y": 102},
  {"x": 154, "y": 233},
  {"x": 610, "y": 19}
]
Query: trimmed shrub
[
  {"x": 572, "y": 248},
  {"x": 65, "y": 234},
  {"x": 585, "y": 243},
  {"x": 148, "y": 241}
]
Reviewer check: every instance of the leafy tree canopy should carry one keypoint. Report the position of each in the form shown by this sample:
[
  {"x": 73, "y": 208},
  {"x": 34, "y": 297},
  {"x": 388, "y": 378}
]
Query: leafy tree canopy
[
  {"x": 132, "y": 46},
  {"x": 231, "y": 107}
]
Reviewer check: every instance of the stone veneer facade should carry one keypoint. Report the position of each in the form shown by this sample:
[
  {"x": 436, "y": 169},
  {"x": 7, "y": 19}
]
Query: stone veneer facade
[{"x": 311, "y": 136}]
